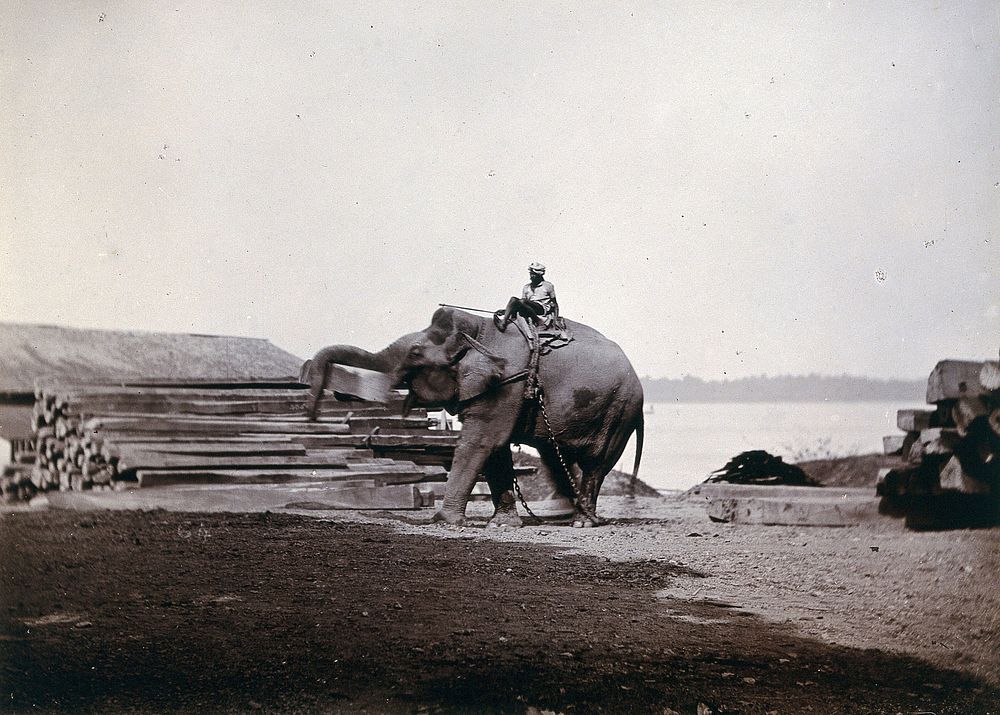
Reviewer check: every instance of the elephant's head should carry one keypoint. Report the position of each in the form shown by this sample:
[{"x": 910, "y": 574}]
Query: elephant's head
[
  {"x": 442, "y": 365},
  {"x": 447, "y": 364}
]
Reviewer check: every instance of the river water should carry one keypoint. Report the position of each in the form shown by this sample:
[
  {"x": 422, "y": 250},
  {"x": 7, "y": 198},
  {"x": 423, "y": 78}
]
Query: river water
[{"x": 686, "y": 441}]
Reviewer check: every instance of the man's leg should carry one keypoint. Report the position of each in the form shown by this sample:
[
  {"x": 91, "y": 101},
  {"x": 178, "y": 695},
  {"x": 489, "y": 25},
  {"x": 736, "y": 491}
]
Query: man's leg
[
  {"x": 515, "y": 306},
  {"x": 503, "y": 317},
  {"x": 532, "y": 310}
]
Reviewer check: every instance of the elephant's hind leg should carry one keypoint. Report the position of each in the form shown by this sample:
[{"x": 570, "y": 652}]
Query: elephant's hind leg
[
  {"x": 585, "y": 513},
  {"x": 595, "y": 466},
  {"x": 591, "y": 477},
  {"x": 573, "y": 486},
  {"x": 499, "y": 473},
  {"x": 587, "y": 509}
]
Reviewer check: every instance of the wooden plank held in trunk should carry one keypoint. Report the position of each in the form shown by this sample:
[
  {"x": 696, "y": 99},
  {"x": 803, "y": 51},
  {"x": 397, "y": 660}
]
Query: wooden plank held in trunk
[{"x": 363, "y": 384}]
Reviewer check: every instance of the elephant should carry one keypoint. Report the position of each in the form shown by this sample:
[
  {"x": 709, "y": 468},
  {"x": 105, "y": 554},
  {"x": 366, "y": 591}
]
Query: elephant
[{"x": 591, "y": 404}]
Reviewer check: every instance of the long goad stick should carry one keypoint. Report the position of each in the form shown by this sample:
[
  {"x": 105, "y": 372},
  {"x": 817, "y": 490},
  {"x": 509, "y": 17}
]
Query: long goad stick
[{"x": 463, "y": 307}]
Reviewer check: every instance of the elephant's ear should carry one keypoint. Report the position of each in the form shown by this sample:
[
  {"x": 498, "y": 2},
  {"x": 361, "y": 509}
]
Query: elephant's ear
[{"x": 479, "y": 370}]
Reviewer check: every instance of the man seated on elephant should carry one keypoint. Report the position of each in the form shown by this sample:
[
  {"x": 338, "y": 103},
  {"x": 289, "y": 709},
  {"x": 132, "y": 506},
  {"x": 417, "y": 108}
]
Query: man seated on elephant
[{"x": 537, "y": 302}]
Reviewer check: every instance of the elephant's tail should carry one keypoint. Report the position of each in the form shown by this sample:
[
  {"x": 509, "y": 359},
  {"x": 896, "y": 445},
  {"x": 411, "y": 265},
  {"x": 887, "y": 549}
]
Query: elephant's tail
[{"x": 639, "y": 432}]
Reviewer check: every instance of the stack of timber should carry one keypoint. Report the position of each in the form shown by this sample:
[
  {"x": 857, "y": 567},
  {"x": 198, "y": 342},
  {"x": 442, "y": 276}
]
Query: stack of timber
[
  {"x": 100, "y": 437},
  {"x": 15, "y": 478},
  {"x": 949, "y": 467},
  {"x": 15, "y": 483}
]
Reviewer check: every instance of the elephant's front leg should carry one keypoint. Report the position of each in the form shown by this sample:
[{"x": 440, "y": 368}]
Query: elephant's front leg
[
  {"x": 486, "y": 428},
  {"x": 469, "y": 461},
  {"x": 499, "y": 472}
]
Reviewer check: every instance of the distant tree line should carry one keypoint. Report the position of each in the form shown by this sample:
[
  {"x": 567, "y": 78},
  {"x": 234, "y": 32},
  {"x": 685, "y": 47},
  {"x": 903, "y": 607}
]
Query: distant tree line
[{"x": 783, "y": 388}]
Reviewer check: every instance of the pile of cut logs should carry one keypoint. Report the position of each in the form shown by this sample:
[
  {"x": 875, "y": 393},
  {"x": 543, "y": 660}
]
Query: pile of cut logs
[
  {"x": 113, "y": 436},
  {"x": 953, "y": 449}
]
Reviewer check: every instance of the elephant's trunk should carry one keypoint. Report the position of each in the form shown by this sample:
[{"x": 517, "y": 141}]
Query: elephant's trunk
[
  {"x": 320, "y": 374},
  {"x": 386, "y": 361}
]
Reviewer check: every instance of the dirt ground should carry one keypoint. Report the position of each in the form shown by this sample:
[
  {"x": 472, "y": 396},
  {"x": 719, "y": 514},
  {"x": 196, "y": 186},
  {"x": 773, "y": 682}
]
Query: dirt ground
[{"x": 662, "y": 611}]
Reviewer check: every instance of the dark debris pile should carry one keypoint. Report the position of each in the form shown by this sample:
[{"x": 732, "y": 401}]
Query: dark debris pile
[{"x": 759, "y": 467}]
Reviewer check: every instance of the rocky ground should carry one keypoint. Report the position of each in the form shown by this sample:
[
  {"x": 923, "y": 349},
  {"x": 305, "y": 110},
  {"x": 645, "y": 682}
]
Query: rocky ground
[{"x": 661, "y": 611}]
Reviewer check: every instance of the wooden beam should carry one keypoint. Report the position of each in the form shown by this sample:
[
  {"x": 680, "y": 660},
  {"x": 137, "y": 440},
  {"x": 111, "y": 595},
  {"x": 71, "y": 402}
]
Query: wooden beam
[
  {"x": 892, "y": 444},
  {"x": 286, "y": 383},
  {"x": 168, "y": 438},
  {"x": 69, "y": 392},
  {"x": 139, "y": 416},
  {"x": 378, "y": 476},
  {"x": 899, "y": 444},
  {"x": 393, "y": 496},
  {"x": 176, "y": 424},
  {"x": 364, "y": 384},
  {"x": 795, "y": 512},
  {"x": 424, "y": 439},
  {"x": 953, "y": 380},
  {"x": 966, "y": 411},
  {"x": 955, "y": 479},
  {"x": 939, "y": 440},
  {"x": 217, "y": 449},
  {"x": 130, "y": 461},
  {"x": 913, "y": 420}
]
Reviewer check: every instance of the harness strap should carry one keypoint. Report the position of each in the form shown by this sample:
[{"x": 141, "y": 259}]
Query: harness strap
[
  {"x": 531, "y": 398},
  {"x": 516, "y": 377},
  {"x": 531, "y": 389},
  {"x": 530, "y": 373}
]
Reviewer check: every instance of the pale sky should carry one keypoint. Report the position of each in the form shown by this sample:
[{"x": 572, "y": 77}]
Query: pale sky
[{"x": 724, "y": 189}]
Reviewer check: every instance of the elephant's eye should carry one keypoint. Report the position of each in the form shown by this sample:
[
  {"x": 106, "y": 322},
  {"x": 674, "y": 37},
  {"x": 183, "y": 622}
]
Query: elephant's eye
[{"x": 416, "y": 351}]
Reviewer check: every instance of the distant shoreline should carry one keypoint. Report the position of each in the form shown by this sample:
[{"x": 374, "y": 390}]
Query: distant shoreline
[
  {"x": 780, "y": 400},
  {"x": 783, "y": 388}
]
